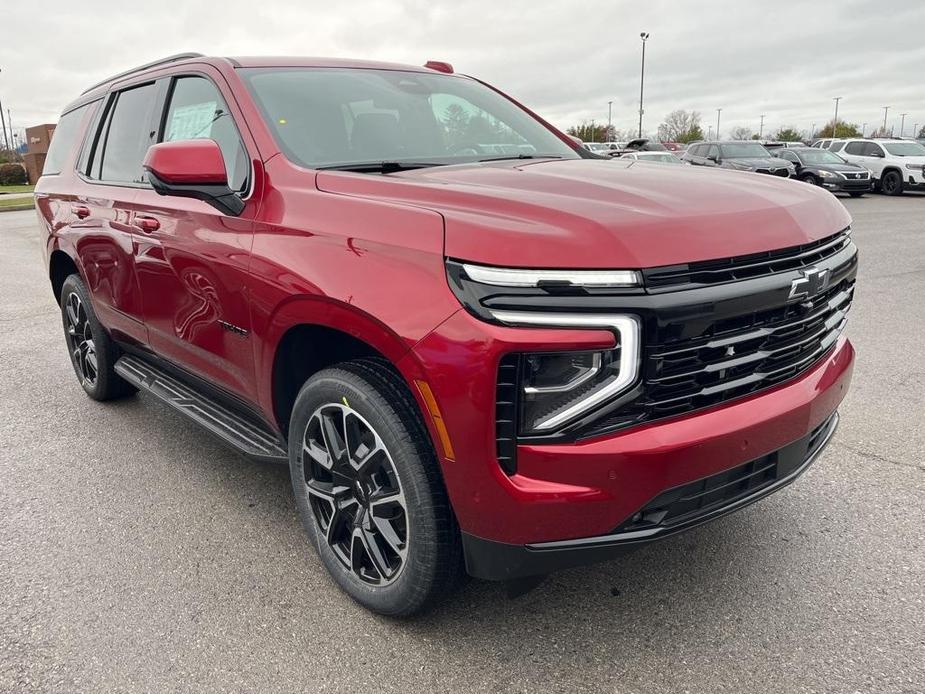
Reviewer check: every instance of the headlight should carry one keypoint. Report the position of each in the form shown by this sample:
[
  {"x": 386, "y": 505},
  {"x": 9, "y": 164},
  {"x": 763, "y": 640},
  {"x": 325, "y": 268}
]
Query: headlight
[
  {"x": 915, "y": 167},
  {"x": 558, "y": 388},
  {"x": 740, "y": 167},
  {"x": 828, "y": 174}
]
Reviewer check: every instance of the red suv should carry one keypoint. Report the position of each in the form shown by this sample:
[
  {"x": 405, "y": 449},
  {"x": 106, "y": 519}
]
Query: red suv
[{"x": 474, "y": 343}]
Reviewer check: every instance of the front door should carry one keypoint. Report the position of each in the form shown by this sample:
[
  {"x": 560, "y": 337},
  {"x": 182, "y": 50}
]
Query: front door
[{"x": 191, "y": 259}]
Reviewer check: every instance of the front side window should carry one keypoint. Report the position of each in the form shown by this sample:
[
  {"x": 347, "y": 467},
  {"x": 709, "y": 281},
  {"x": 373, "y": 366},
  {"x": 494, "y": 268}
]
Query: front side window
[
  {"x": 330, "y": 117},
  {"x": 62, "y": 140},
  {"x": 905, "y": 149},
  {"x": 126, "y": 137},
  {"x": 196, "y": 111}
]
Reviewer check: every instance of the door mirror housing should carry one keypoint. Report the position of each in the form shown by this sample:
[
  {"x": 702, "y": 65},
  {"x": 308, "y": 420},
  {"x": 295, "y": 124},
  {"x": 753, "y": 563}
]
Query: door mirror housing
[{"x": 192, "y": 169}]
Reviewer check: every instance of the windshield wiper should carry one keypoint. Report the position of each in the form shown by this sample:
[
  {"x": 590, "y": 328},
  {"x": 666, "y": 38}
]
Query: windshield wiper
[
  {"x": 384, "y": 167},
  {"x": 523, "y": 156}
]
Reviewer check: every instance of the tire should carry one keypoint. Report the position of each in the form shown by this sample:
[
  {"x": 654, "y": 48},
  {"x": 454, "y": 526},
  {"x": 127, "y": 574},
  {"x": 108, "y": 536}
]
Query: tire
[
  {"x": 92, "y": 352},
  {"x": 856, "y": 194},
  {"x": 891, "y": 183},
  {"x": 383, "y": 528},
  {"x": 809, "y": 178}
]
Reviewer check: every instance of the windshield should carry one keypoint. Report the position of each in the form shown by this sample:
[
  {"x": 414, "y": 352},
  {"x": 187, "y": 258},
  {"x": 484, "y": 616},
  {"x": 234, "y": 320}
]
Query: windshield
[
  {"x": 329, "y": 117},
  {"x": 597, "y": 146},
  {"x": 905, "y": 149},
  {"x": 744, "y": 150},
  {"x": 660, "y": 157},
  {"x": 819, "y": 156}
]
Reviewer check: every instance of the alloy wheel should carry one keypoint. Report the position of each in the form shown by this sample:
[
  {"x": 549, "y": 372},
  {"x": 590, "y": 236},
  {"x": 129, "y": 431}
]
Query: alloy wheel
[
  {"x": 355, "y": 494},
  {"x": 80, "y": 340}
]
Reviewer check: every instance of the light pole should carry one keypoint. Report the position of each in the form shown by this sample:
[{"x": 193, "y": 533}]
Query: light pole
[
  {"x": 902, "y": 124},
  {"x": 761, "y": 127},
  {"x": 6, "y": 142},
  {"x": 915, "y": 130},
  {"x": 885, "y": 110},
  {"x": 836, "y": 99},
  {"x": 609, "y": 119},
  {"x": 642, "y": 77},
  {"x": 718, "y": 111},
  {"x": 864, "y": 130},
  {"x": 812, "y": 134},
  {"x": 709, "y": 132}
]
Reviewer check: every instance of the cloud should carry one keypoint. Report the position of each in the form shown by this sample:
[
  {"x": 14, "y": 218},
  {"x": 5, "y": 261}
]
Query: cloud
[{"x": 566, "y": 60}]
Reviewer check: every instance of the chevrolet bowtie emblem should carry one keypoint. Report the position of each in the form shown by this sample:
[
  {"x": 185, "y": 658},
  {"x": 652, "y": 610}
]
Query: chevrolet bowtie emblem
[{"x": 811, "y": 283}]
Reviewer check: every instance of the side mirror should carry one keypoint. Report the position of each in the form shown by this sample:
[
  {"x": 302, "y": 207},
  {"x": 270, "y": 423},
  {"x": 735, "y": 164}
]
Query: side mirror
[{"x": 192, "y": 169}]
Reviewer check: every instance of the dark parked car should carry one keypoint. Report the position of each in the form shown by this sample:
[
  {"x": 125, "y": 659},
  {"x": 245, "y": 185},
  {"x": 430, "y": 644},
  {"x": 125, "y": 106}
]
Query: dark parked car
[
  {"x": 740, "y": 156},
  {"x": 824, "y": 168},
  {"x": 506, "y": 364}
]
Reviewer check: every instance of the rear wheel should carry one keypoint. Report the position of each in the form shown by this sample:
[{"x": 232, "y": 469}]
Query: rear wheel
[
  {"x": 369, "y": 490},
  {"x": 93, "y": 353},
  {"x": 891, "y": 183}
]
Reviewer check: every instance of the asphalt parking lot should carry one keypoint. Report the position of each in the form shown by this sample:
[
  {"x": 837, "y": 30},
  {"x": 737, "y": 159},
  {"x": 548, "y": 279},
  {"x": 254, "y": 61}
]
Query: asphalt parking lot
[{"x": 139, "y": 555}]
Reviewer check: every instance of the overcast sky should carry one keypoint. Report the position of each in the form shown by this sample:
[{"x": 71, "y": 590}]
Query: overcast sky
[{"x": 566, "y": 60}]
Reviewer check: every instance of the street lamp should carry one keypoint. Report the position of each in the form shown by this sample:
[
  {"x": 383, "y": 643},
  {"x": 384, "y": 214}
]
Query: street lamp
[
  {"x": 885, "y": 110},
  {"x": 864, "y": 130},
  {"x": 902, "y": 124},
  {"x": 761, "y": 127},
  {"x": 718, "y": 111},
  {"x": 836, "y": 99},
  {"x": 642, "y": 77},
  {"x": 609, "y": 118},
  {"x": 6, "y": 142}
]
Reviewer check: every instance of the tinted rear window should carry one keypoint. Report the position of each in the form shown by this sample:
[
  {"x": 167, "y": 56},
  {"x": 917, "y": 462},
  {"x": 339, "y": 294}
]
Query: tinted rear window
[{"x": 63, "y": 139}]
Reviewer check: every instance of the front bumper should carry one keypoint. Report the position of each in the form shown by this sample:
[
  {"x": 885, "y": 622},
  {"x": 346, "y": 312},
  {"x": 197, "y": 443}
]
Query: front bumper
[
  {"x": 700, "y": 501},
  {"x": 849, "y": 185}
]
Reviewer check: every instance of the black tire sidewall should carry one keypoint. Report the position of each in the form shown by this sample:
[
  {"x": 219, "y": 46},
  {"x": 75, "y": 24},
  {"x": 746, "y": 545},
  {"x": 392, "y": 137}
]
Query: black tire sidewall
[
  {"x": 899, "y": 184},
  {"x": 108, "y": 384},
  {"x": 414, "y": 585},
  {"x": 809, "y": 178}
]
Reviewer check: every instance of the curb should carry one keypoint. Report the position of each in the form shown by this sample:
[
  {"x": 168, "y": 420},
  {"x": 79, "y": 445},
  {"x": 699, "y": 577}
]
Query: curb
[{"x": 17, "y": 208}]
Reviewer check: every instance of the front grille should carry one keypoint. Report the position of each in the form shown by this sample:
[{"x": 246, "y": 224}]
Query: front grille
[
  {"x": 708, "y": 272},
  {"x": 686, "y": 504},
  {"x": 774, "y": 172},
  {"x": 734, "y": 357}
]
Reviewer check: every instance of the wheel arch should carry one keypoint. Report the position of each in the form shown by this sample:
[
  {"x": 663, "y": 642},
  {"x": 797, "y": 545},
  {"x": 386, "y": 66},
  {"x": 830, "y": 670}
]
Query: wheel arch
[
  {"x": 60, "y": 266},
  {"x": 310, "y": 334}
]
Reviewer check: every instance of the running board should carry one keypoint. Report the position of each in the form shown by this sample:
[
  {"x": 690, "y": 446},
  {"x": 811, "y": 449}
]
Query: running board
[{"x": 245, "y": 436}]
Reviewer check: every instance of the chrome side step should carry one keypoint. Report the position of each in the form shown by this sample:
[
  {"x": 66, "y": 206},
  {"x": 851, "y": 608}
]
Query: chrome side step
[{"x": 245, "y": 436}]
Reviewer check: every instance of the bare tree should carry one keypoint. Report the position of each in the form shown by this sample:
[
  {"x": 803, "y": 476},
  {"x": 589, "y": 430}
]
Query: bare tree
[
  {"x": 681, "y": 126},
  {"x": 741, "y": 133}
]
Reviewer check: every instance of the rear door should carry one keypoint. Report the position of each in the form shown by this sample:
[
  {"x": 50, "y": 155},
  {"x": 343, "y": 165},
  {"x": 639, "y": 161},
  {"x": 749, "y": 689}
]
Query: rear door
[
  {"x": 192, "y": 260},
  {"x": 111, "y": 174}
]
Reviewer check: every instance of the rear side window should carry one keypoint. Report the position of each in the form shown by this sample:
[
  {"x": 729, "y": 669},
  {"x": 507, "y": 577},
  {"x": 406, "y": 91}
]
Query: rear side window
[
  {"x": 63, "y": 140},
  {"x": 126, "y": 137},
  {"x": 854, "y": 148},
  {"x": 837, "y": 146},
  {"x": 196, "y": 111},
  {"x": 872, "y": 149}
]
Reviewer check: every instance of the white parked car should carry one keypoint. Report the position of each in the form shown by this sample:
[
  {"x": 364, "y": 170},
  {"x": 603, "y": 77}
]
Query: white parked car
[
  {"x": 657, "y": 157},
  {"x": 896, "y": 165}
]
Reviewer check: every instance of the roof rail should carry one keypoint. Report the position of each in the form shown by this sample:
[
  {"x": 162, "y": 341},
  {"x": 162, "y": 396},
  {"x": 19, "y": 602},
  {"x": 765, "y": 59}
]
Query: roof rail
[{"x": 155, "y": 63}]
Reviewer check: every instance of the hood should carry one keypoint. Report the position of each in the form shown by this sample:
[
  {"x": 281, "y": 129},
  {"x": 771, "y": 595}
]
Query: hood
[
  {"x": 589, "y": 213},
  {"x": 760, "y": 162},
  {"x": 853, "y": 168}
]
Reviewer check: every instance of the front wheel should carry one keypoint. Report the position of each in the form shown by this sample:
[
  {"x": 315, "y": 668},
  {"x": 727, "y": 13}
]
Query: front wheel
[
  {"x": 369, "y": 490},
  {"x": 809, "y": 178},
  {"x": 891, "y": 183}
]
